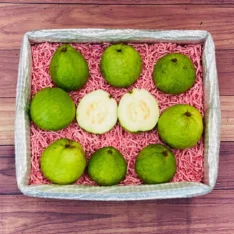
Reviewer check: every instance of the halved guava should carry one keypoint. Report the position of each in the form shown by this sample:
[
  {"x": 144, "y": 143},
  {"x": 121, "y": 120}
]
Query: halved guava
[
  {"x": 138, "y": 111},
  {"x": 97, "y": 112}
]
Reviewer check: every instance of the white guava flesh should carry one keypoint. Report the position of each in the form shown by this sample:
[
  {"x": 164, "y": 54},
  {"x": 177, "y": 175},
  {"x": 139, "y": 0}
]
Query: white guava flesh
[
  {"x": 138, "y": 111},
  {"x": 97, "y": 112}
]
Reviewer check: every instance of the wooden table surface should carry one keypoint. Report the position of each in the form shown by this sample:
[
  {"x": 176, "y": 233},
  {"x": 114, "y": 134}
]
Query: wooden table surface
[{"x": 210, "y": 214}]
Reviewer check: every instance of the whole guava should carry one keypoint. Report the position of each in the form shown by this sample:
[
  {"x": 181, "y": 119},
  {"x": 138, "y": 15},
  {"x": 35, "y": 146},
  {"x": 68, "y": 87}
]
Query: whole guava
[
  {"x": 155, "y": 164},
  {"x": 63, "y": 161},
  {"x": 68, "y": 68},
  {"x": 107, "y": 166},
  {"x": 52, "y": 109},
  {"x": 121, "y": 65},
  {"x": 180, "y": 126},
  {"x": 174, "y": 73}
]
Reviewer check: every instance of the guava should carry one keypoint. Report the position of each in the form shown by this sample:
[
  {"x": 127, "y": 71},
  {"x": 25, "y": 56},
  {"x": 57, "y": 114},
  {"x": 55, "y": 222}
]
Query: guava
[
  {"x": 97, "y": 112},
  {"x": 52, "y": 109},
  {"x": 121, "y": 65},
  {"x": 63, "y": 161},
  {"x": 107, "y": 166},
  {"x": 174, "y": 73},
  {"x": 68, "y": 68},
  {"x": 155, "y": 164},
  {"x": 180, "y": 126},
  {"x": 138, "y": 111}
]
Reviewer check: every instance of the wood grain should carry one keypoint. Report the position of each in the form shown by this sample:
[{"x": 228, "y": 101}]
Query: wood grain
[
  {"x": 8, "y": 184},
  {"x": 227, "y": 123},
  {"x": 7, "y": 117},
  {"x": 9, "y": 67},
  {"x": 123, "y": 2},
  {"x": 8, "y": 106},
  {"x": 9, "y": 60},
  {"x": 7, "y": 171},
  {"x": 39, "y": 16},
  {"x": 226, "y": 167},
  {"x": 212, "y": 213},
  {"x": 225, "y": 67}
]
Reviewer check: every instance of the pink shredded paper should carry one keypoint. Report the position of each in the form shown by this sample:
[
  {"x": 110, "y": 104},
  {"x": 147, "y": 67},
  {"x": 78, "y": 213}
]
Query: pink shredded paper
[{"x": 189, "y": 161}]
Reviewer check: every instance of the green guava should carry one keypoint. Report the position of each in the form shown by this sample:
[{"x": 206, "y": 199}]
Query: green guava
[
  {"x": 174, "y": 73},
  {"x": 63, "y": 161},
  {"x": 52, "y": 109},
  {"x": 107, "y": 166},
  {"x": 121, "y": 65},
  {"x": 180, "y": 126},
  {"x": 97, "y": 112},
  {"x": 155, "y": 164},
  {"x": 68, "y": 68},
  {"x": 138, "y": 111}
]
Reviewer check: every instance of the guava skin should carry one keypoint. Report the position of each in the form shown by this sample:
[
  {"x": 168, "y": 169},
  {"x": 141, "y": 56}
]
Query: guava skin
[
  {"x": 52, "y": 109},
  {"x": 180, "y": 126},
  {"x": 107, "y": 166},
  {"x": 121, "y": 65},
  {"x": 155, "y": 164},
  {"x": 63, "y": 161},
  {"x": 174, "y": 73},
  {"x": 68, "y": 68}
]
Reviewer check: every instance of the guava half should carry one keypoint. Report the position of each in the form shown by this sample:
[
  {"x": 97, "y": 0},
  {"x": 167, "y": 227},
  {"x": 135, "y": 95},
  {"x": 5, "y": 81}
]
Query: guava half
[
  {"x": 97, "y": 112},
  {"x": 138, "y": 111}
]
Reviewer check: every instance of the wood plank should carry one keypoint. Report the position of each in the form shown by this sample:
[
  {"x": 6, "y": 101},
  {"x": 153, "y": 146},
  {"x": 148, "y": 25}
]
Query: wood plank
[
  {"x": 7, "y": 116},
  {"x": 9, "y": 60},
  {"x": 226, "y": 167},
  {"x": 227, "y": 123},
  {"x": 8, "y": 178},
  {"x": 7, "y": 171},
  {"x": 9, "y": 68},
  {"x": 212, "y": 213},
  {"x": 123, "y": 2},
  {"x": 225, "y": 67},
  {"x": 39, "y": 16}
]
